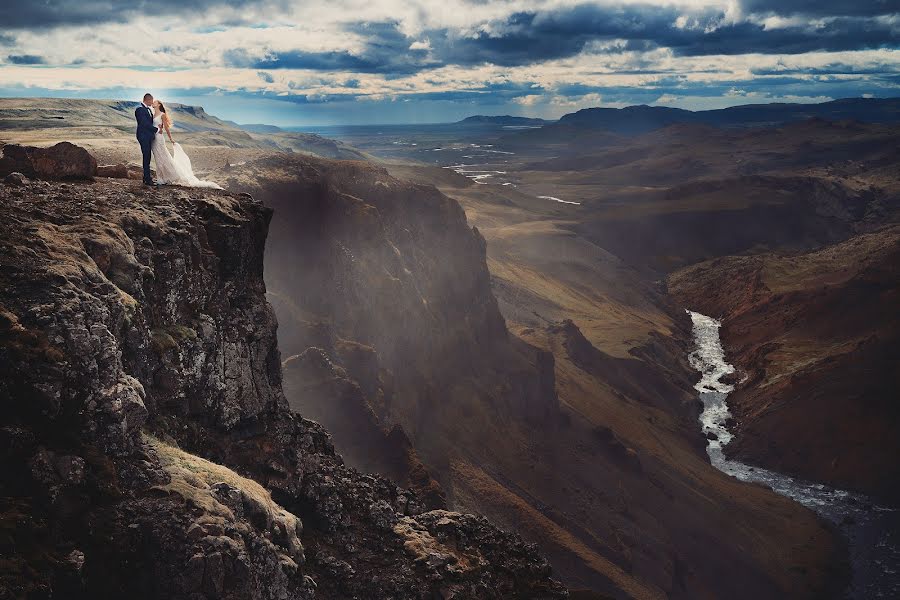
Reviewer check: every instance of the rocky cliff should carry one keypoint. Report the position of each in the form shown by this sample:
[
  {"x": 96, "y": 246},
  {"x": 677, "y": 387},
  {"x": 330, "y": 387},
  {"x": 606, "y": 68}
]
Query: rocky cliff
[
  {"x": 147, "y": 448},
  {"x": 386, "y": 283}
]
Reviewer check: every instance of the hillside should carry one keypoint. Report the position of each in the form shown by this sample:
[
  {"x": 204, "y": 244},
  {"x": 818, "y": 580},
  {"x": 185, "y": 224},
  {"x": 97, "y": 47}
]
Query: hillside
[
  {"x": 503, "y": 120},
  {"x": 815, "y": 336},
  {"x": 688, "y": 193},
  {"x": 643, "y": 118}
]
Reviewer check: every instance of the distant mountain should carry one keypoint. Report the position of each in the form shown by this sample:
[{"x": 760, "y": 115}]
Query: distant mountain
[
  {"x": 630, "y": 120},
  {"x": 643, "y": 118},
  {"x": 261, "y": 128},
  {"x": 504, "y": 120}
]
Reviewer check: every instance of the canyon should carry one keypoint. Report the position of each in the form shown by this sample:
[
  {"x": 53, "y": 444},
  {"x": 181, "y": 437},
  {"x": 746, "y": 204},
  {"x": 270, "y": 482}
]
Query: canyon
[{"x": 482, "y": 348}]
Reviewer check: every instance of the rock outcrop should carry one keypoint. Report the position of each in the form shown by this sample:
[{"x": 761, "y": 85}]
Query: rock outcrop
[
  {"x": 146, "y": 446},
  {"x": 62, "y": 161}
]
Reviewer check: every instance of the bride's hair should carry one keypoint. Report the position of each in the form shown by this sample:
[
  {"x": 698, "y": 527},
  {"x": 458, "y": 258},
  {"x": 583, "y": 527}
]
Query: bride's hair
[{"x": 162, "y": 109}]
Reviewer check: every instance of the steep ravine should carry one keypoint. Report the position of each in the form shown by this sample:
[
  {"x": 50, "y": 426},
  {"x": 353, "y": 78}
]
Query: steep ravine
[
  {"x": 814, "y": 336},
  {"x": 147, "y": 448},
  {"x": 392, "y": 336},
  {"x": 872, "y": 532}
]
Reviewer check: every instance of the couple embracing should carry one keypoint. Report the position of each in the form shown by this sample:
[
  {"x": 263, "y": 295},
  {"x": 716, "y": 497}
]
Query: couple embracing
[{"x": 174, "y": 169}]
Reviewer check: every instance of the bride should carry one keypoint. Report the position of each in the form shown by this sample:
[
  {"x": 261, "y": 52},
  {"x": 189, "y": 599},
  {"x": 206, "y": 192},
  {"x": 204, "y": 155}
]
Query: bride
[{"x": 172, "y": 169}]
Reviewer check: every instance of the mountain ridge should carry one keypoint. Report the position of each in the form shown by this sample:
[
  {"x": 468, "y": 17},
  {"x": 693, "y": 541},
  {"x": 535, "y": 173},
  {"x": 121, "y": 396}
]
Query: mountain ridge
[
  {"x": 643, "y": 118},
  {"x": 508, "y": 120}
]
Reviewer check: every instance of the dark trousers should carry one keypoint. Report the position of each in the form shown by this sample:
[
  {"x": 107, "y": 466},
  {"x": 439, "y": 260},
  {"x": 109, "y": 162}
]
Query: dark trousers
[{"x": 145, "y": 150}]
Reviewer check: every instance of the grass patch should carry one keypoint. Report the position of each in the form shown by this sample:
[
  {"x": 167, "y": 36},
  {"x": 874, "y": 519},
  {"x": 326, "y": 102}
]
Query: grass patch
[
  {"x": 192, "y": 478},
  {"x": 170, "y": 337}
]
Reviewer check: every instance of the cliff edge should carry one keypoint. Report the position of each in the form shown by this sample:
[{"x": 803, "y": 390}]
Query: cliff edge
[{"x": 147, "y": 447}]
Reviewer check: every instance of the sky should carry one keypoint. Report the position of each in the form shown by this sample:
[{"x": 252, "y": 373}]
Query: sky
[{"x": 423, "y": 61}]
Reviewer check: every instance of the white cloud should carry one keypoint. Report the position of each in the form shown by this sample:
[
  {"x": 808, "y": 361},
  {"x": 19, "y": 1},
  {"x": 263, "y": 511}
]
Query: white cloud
[{"x": 170, "y": 54}]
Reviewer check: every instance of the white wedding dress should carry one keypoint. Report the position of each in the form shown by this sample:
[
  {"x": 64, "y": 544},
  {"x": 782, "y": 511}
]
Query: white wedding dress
[{"x": 174, "y": 170}]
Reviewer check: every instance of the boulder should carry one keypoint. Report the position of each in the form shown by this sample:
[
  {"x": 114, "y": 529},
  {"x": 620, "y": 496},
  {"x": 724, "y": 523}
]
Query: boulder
[
  {"x": 136, "y": 172},
  {"x": 62, "y": 161},
  {"x": 15, "y": 179},
  {"x": 119, "y": 171}
]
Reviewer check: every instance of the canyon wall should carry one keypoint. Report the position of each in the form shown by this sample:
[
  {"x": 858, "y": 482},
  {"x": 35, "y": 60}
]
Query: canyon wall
[{"x": 148, "y": 450}]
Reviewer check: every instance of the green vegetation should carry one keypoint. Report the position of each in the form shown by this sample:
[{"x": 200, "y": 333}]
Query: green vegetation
[{"x": 169, "y": 337}]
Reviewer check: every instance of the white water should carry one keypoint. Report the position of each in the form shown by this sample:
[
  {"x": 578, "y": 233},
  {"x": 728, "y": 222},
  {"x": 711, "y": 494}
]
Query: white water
[
  {"x": 555, "y": 199},
  {"x": 872, "y": 532}
]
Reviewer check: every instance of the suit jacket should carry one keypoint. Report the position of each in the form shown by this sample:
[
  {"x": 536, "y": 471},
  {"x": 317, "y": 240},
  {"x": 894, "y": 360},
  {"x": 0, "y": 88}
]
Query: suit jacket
[{"x": 146, "y": 130}]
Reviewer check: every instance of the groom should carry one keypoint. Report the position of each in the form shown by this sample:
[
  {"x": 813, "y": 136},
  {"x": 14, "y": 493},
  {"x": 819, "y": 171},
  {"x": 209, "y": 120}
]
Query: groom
[{"x": 146, "y": 131}]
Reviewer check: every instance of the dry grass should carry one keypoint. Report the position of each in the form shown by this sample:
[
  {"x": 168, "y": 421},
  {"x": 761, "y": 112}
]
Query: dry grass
[
  {"x": 192, "y": 478},
  {"x": 421, "y": 545},
  {"x": 471, "y": 483}
]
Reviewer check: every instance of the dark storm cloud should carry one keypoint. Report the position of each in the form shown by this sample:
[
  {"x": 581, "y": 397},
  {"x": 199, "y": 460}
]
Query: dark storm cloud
[
  {"x": 822, "y": 8},
  {"x": 33, "y": 14},
  {"x": 532, "y": 37},
  {"x": 844, "y": 33},
  {"x": 523, "y": 38},
  {"x": 25, "y": 59},
  {"x": 385, "y": 50},
  {"x": 528, "y": 38},
  {"x": 316, "y": 61}
]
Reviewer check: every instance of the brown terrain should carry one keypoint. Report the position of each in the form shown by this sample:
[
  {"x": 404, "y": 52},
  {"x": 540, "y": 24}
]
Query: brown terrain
[
  {"x": 147, "y": 448},
  {"x": 816, "y": 338},
  {"x": 783, "y": 233},
  {"x": 533, "y": 369},
  {"x": 608, "y": 478}
]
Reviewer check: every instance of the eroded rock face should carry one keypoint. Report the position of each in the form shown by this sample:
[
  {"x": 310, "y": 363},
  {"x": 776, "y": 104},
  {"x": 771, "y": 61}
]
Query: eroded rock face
[
  {"x": 62, "y": 161},
  {"x": 359, "y": 259},
  {"x": 146, "y": 447}
]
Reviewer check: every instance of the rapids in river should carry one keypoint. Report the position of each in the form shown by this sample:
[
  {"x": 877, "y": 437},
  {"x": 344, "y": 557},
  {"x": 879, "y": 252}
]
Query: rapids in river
[{"x": 872, "y": 532}]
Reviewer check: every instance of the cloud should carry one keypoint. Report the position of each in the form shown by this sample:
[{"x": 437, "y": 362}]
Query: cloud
[
  {"x": 23, "y": 14},
  {"x": 541, "y": 56},
  {"x": 865, "y": 8},
  {"x": 25, "y": 59}
]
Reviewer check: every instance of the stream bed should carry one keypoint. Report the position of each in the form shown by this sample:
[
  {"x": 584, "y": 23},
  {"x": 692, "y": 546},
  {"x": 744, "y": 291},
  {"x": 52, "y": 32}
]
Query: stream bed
[{"x": 872, "y": 532}]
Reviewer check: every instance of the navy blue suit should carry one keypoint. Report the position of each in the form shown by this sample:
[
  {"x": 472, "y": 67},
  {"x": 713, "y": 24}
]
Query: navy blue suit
[{"x": 146, "y": 131}]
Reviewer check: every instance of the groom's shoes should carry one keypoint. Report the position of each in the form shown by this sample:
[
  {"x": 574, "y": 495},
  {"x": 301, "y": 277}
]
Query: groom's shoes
[{"x": 151, "y": 183}]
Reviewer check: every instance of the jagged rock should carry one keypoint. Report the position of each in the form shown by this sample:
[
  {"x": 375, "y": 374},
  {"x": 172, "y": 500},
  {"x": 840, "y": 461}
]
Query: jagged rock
[
  {"x": 62, "y": 161},
  {"x": 146, "y": 426}
]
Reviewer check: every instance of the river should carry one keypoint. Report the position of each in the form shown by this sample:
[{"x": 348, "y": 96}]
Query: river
[{"x": 872, "y": 532}]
